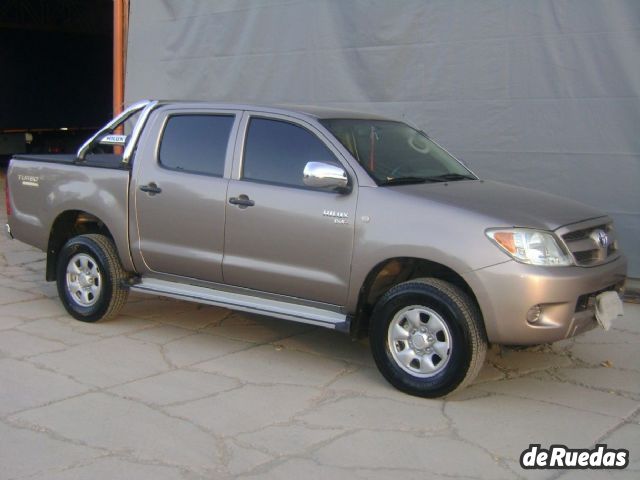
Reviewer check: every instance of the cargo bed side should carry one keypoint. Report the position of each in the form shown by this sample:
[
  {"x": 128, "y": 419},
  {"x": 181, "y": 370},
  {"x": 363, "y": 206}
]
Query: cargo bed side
[{"x": 45, "y": 189}]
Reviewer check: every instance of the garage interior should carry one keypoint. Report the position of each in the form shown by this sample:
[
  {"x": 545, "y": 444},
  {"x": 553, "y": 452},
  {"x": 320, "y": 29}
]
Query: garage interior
[{"x": 57, "y": 62}]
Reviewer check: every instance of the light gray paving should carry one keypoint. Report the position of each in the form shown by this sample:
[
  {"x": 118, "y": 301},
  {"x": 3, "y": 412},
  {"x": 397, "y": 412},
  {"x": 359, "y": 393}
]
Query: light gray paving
[{"x": 173, "y": 390}]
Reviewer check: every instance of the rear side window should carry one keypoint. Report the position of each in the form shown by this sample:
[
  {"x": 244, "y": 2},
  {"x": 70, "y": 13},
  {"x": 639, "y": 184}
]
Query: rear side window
[
  {"x": 196, "y": 143},
  {"x": 277, "y": 152}
]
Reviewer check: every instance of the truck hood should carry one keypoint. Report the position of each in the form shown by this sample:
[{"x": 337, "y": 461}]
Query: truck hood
[{"x": 504, "y": 205}]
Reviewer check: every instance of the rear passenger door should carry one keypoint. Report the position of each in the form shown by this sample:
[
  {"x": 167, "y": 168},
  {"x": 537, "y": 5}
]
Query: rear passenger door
[
  {"x": 180, "y": 192},
  {"x": 292, "y": 239}
]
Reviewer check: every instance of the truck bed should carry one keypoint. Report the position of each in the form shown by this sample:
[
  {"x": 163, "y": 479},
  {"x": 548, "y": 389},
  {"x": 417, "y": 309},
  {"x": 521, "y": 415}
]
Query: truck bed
[{"x": 98, "y": 160}]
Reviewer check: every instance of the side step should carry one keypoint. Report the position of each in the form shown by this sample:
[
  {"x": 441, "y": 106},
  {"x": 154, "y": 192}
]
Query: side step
[{"x": 245, "y": 303}]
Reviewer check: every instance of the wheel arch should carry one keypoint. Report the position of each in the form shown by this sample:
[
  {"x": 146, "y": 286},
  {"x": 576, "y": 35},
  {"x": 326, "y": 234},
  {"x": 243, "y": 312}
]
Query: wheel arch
[
  {"x": 66, "y": 225},
  {"x": 394, "y": 270}
]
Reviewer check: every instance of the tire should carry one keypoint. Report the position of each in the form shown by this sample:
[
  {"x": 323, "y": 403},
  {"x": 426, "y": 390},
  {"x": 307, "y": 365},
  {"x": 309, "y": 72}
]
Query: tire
[
  {"x": 90, "y": 278},
  {"x": 427, "y": 337}
]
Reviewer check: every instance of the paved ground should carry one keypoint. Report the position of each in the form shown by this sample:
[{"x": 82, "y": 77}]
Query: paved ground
[{"x": 174, "y": 390}]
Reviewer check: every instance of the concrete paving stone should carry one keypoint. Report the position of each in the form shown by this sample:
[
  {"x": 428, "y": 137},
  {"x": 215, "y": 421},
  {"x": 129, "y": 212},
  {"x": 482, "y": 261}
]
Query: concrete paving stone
[
  {"x": 24, "y": 386},
  {"x": 331, "y": 344},
  {"x": 627, "y": 436},
  {"x": 566, "y": 394},
  {"x": 127, "y": 427},
  {"x": 12, "y": 246},
  {"x": 404, "y": 450},
  {"x": 24, "y": 453},
  {"x": 15, "y": 283},
  {"x": 521, "y": 362},
  {"x": 506, "y": 425},
  {"x": 310, "y": 470},
  {"x": 240, "y": 459},
  {"x": 267, "y": 364},
  {"x": 120, "y": 325},
  {"x": 489, "y": 373},
  {"x": 112, "y": 468},
  {"x": 255, "y": 329},
  {"x": 34, "y": 309},
  {"x": 13, "y": 271},
  {"x": 57, "y": 329},
  {"x": 295, "y": 439},
  {"x": 625, "y": 356},
  {"x": 31, "y": 276},
  {"x": 22, "y": 257},
  {"x": 601, "y": 336},
  {"x": 37, "y": 266},
  {"x": 175, "y": 386},
  {"x": 194, "y": 316},
  {"x": 200, "y": 347},
  {"x": 358, "y": 412},
  {"x": 154, "y": 307},
  {"x": 161, "y": 334},
  {"x": 8, "y": 322},
  {"x": 599, "y": 475},
  {"x": 107, "y": 362},
  {"x": 368, "y": 382},
  {"x": 247, "y": 409},
  {"x": 604, "y": 378},
  {"x": 630, "y": 321},
  {"x": 12, "y": 295},
  {"x": 20, "y": 344},
  {"x": 48, "y": 289}
]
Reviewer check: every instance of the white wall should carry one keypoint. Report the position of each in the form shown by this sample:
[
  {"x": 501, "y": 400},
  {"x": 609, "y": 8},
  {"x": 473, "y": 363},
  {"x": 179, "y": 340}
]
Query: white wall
[{"x": 539, "y": 93}]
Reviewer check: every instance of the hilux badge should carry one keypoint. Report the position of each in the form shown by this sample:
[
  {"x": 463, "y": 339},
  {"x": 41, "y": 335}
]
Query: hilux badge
[{"x": 338, "y": 217}]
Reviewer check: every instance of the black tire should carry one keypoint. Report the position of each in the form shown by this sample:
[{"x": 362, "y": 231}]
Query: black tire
[
  {"x": 112, "y": 293},
  {"x": 462, "y": 334}
]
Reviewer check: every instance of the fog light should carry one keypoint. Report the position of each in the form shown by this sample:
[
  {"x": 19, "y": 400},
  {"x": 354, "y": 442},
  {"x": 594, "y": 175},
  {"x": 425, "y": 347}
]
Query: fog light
[{"x": 533, "y": 315}]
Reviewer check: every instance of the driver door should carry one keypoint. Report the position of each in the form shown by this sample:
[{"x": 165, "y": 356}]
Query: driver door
[{"x": 281, "y": 236}]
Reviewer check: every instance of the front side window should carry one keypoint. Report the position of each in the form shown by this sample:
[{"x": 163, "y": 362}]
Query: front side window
[
  {"x": 196, "y": 143},
  {"x": 394, "y": 153},
  {"x": 277, "y": 152}
]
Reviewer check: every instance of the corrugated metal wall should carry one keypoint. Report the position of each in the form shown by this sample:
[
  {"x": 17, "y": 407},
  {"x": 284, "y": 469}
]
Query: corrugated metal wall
[{"x": 539, "y": 93}]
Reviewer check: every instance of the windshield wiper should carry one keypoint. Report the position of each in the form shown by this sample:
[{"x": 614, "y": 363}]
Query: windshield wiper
[
  {"x": 449, "y": 177},
  {"x": 403, "y": 180}
]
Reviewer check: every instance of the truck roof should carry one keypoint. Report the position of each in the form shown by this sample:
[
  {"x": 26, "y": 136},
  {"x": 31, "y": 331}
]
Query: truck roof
[{"x": 316, "y": 111}]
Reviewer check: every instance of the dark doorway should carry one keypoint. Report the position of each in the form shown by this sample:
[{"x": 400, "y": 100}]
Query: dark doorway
[{"x": 56, "y": 82}]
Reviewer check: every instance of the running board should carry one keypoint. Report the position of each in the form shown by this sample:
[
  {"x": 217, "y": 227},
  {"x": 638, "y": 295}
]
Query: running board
[{"x": 245, "y": 303}]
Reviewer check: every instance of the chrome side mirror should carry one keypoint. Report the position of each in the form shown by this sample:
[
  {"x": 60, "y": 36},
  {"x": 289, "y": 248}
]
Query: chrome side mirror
[{"x": 326, "y": 175}]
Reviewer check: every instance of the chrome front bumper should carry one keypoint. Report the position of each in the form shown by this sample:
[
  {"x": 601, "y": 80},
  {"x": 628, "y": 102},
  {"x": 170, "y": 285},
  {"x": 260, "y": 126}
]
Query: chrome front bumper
[{"x": 8, "y": 231}]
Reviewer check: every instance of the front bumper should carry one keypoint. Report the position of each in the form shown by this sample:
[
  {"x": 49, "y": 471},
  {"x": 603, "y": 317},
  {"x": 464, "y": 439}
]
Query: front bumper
[
  {"x": 8, "y": 231},
  {"x": 507, "y": 291}
]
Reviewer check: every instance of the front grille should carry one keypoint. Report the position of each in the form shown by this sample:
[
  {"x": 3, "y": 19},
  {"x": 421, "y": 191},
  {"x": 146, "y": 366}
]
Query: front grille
[
  {"x": 585, "y": 244},
  {"x": 582, "y": 233}
]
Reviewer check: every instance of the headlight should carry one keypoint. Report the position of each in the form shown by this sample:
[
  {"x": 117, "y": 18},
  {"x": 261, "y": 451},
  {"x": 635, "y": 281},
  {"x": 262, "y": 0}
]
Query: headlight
[{"x": 530, "y": 246}]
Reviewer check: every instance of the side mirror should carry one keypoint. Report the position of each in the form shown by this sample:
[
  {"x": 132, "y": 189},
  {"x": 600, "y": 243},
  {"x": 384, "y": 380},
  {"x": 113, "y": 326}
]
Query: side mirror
[
  {"x": 113, "y": 140},
  {"x": 326, "y": 175}
]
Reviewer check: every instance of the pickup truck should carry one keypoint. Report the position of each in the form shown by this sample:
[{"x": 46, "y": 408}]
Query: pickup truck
[{"x": 349, "y": 221}]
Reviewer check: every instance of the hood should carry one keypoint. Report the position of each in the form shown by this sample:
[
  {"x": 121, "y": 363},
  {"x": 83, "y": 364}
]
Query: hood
[{"x": 504, "y": 205}]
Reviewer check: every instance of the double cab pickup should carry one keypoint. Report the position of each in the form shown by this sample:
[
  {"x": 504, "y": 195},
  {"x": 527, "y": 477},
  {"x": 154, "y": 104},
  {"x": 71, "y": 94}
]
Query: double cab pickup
[{"x": 344, "y": 220}]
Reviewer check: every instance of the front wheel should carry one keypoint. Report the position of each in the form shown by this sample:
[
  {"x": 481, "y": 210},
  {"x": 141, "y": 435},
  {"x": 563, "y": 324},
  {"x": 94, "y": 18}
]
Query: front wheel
[
  {"x": 90, "y": 278},
  {"x": 427, "y": 337}
]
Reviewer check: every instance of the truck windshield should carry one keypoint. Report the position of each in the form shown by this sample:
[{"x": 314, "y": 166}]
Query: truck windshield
[{"x": 394, "y": 153}]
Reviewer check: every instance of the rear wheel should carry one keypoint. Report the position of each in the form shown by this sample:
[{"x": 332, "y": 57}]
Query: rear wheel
[
  {"x": 90, "y": 278},
  {"x": 427, "y": 337}
]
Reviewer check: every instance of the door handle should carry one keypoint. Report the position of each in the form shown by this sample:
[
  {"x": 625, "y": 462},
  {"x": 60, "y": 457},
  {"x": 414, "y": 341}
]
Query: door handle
[
  {"x": 242, "y": 201},
  {"x": 151, "y": 189}
]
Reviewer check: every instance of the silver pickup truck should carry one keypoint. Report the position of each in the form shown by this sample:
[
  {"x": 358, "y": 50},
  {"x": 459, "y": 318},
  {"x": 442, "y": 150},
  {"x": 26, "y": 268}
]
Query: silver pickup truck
[{"x": 339, "y": 219}]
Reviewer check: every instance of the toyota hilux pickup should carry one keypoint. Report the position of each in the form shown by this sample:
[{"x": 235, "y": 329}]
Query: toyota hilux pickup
[{"x": 349, "y": 221}]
